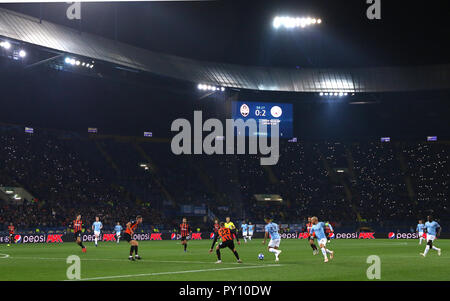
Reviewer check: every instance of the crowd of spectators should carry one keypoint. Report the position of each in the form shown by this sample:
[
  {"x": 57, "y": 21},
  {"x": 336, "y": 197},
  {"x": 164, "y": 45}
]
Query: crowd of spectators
[{"x": 343, "y": 182}]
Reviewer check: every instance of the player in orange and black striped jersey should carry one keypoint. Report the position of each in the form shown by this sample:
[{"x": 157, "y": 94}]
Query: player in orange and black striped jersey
[
  {"x": 11, "y": 231},
  {"x": 307, "y": 227},
  {"x": 77, "y": 230},
  {"x": 216, "y": 233},
  {"x": 184, "y": 231},
  {"x": 227, "y": 242},
  {"x": 128, "y": 236}
]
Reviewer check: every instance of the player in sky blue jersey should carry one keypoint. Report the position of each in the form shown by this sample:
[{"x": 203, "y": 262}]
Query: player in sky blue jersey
[
  {"x": 275, "y": 239},
  {"x": 251, "y": 229},
  {"x": 318, "y": 228},
  {"x": 432, "y": 231},
  {"x": 97, "y": 226},
  {"x": 118, "y": 229},
  {"x": 244, "y": 228},
  {"x": 420, "y": 230}
]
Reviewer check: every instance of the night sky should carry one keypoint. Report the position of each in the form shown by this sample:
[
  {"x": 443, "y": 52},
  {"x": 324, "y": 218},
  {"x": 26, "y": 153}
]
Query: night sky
[{"x": 240, "y": 31}]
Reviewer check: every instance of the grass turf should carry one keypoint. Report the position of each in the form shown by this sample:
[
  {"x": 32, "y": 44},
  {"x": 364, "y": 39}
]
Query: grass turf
[{"x": 165, "y": 260}]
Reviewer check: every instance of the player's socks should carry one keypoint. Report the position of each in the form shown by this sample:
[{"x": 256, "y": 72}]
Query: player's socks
[
  {"x": 272, "y": 250},
  {"x": 324, "y": 252},
  {"x": 328, "y": 251},
  {"x": 427, "y": 248},
  {"x": 185, "y": 247},
  {"x": 136, "y": 250},
  {"x": 277, "y": 255},
  {"x": 218, "y": 255},
  {"x": 237, "y": 255},
  {"x": 95, "y": 239},
  {"x": 131, "y": 251}
]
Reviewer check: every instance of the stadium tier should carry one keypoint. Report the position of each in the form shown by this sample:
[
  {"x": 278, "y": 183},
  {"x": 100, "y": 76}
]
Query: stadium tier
[{"x": 383, "y": 186}]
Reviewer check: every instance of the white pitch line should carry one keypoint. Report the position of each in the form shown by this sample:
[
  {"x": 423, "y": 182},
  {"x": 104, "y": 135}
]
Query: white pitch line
[
  {"x": 176, "y": 272},
  {"x": 4, "y": 255}
]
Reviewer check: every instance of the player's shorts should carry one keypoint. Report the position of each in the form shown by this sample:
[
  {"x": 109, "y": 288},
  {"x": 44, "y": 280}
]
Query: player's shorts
[
  {"x": 421, "y": 234},
  {"x": 323, "y": 241},
  {"x": 127, "y": 237},
  {"x": 183, "y": 238},
  {"x": 227, "y": 244},
  {"x": 117, "y": 233},
  {"x": 274, "y": 243},
  {"x": 250, "y": 233},
  {"x": 97, "y": 233},
  {"x": 77, "y": 234},
  {"x": 245, "y": 233},
  {"x": 431, "y": 237}
]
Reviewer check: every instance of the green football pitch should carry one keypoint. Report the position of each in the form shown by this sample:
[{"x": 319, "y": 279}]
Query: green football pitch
[{"x": 165, "y": 260}]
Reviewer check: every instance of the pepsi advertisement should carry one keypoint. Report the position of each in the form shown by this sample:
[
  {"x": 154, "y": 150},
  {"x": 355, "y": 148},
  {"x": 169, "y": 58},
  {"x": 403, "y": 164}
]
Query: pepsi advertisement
[{"x": 266, "y": 113}]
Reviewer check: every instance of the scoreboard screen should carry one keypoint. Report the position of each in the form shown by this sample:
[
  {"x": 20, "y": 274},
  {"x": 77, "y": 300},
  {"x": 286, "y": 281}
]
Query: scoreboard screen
[{"x": 265, "y": 113}]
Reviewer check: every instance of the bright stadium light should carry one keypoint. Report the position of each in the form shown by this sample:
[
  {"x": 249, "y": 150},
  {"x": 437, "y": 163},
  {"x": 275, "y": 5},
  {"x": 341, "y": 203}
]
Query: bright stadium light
[
  {"x": 204, "y": 87},
  {"x": 290, "y": 22},
  {"x": 5, "y": 45},
  {"x": 22, "y": 53},
  {"x": 338, "y": 93}
]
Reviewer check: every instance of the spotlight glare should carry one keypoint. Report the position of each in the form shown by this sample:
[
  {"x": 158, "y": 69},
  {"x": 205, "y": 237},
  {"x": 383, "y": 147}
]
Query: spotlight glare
[
  {"x": 5, "y": 45},
  {"x": 77, "y": 63},
  {"x": 22, "y": 53},
  {"x": 294, "y": 22},
  {"x": 67, "y": 60}
]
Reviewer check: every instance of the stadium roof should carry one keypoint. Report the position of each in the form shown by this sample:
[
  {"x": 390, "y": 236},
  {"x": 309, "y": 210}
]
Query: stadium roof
[{"x": 64, "y": 40}]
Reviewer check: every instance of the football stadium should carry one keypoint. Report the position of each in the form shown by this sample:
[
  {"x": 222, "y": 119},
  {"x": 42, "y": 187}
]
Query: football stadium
[{"x": 188, "y": 142}]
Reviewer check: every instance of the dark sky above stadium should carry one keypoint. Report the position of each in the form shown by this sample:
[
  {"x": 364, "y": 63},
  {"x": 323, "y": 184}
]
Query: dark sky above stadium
[{"x": 240, "y": 31}]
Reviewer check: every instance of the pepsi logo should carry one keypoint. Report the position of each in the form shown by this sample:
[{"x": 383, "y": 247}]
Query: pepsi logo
[{"x": 17, "y": 238}]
